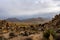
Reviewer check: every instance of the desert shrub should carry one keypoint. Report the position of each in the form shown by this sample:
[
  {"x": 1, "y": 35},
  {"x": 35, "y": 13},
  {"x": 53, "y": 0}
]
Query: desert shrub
[
  {"x": 39, "y": 25},
  {"x": 25, "y": 33},
  {"x": 12, "y": 35},
  {"x": 2, "y": 38},
  {"x": 3, "y": 22},
  {"x": 57, "y": 38},
  {"x": 28, "y": 39},
  {"x": 0, "y": 28},
  {"x": 31, "y": 32},
  {"x": 32, "y": 27},
  {"x": 24, "y": 28}
]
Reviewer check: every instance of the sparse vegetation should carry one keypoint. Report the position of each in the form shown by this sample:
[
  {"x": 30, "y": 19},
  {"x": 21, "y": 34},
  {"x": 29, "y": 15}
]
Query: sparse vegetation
[
  {"x": 26, "y": 30},
  {"x": 12, "y": 35},
  {"x": 49, "y": 32}
]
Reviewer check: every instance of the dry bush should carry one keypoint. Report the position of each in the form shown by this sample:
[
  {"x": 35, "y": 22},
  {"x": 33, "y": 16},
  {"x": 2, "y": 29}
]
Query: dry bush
[{"x": 28, "y": 39}]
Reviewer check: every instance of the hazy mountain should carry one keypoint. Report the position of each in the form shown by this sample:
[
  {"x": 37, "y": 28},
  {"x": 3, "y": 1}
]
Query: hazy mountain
[
  {"x": 45, "y": 17},
  {"x": 13, "y": 20},
  {"x": 36, "y": 20},
  {"x": 30, "y": 20}
]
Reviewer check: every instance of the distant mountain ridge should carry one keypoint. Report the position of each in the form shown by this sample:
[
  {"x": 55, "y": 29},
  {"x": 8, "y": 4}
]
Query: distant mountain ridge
[
  {"x": 12, "y": 19},
  {"x": 34, "y": 20}
]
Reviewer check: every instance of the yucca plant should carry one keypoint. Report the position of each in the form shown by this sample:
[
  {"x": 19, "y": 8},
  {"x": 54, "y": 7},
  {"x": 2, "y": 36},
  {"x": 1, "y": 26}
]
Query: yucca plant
[{"x": 47, "y": 34}]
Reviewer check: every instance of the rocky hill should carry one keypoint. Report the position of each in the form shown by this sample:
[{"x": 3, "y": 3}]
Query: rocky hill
[{"x": 54, "y": 23}]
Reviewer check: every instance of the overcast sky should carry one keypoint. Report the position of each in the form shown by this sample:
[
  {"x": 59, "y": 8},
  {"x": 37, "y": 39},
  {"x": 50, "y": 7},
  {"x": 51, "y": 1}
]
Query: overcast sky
[{"x": 28, "y": 7}]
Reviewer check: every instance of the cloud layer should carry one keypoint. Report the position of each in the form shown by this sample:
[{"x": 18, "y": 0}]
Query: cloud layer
[{"x": 28, "y": 7}]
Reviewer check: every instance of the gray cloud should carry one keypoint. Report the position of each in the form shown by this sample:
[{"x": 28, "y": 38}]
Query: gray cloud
[
  {"x": 56, "y": 0},
  {"x": 28, "y": 7}
]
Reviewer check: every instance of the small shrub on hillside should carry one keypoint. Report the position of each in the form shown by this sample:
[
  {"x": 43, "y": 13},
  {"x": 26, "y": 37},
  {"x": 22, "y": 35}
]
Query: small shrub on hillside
[
  {"x": 12, "y": 35},
  {"x": 25, "y": 33},
  {"x": 2, "y": 38},
  {"x": 28, "y": 39},
  {"x": 48, "y": 32}
]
